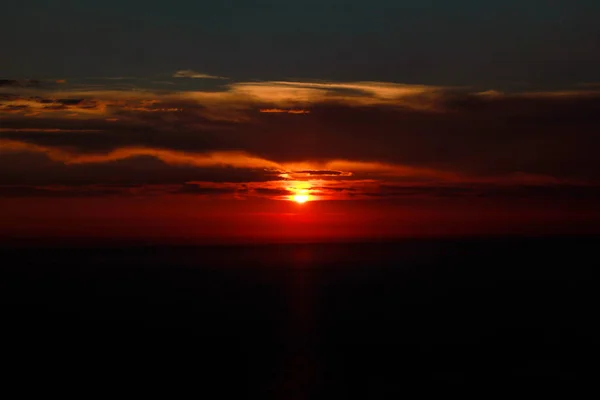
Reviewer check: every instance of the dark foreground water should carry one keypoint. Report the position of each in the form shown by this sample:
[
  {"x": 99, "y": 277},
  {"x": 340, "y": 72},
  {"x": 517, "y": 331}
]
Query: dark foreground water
[{"x": 378, "y": 320}]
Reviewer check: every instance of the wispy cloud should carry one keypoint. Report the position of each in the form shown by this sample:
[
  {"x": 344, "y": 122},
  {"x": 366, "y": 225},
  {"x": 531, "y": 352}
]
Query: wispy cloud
[
  {"x": 45, "y": 130},
  {"x": 188, "y": 73},
  {"x": 280, "y": 110},
  {"x": 356, "y": 93},
  {"x": 27, "y": 83},
  {"x": 225, "y": 159}
]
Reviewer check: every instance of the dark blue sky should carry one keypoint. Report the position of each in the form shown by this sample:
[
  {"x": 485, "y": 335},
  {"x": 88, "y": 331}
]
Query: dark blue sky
[{"x": 492, "y": 43}]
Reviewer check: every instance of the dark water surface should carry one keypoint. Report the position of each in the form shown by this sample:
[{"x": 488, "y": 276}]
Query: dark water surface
[{"x": 367, "y": 320}]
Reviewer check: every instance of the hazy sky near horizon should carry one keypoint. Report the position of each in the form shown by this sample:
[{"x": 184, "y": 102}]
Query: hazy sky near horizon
[{"x": 185, "y": 119}]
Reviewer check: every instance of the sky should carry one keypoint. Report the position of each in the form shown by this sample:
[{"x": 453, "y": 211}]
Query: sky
[{"x": 327, "y": 120}]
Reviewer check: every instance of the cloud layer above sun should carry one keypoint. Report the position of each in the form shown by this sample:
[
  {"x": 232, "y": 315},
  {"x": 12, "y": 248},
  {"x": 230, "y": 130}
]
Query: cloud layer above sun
[{"x": 202, "y": 135}]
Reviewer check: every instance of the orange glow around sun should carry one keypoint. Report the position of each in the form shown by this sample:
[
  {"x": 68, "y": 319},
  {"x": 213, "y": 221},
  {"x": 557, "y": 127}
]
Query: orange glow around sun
[{"x": 300, "y": 196}]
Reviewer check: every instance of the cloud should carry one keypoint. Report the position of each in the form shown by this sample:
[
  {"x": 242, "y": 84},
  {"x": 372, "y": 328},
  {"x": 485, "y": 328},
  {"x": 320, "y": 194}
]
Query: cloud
[
  {"x": 322, "y": 173},
  {"x": 288, "y": 93},
  {"x": 232, "y": 159},
  {"x": 225, "y": 159},
  {"x": 8, "y": 82},
  {"x": 46, "y": 130},
  {"x": 337, "y": 128},
  {"x": 20, "y": 83},
  {"x": 70, "y": 102},
  {"x": 240, "y": 173},
  {"x": 359, "y": 140},
  {"x": 188, "y": 73},
  {"x": 279, "y": 111}
]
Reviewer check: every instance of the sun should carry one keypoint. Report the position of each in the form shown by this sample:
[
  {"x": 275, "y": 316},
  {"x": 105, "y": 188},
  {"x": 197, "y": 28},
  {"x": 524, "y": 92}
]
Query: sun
[
  {"x": 300, "y": 198},
  {"x": 300, "y": 195}
]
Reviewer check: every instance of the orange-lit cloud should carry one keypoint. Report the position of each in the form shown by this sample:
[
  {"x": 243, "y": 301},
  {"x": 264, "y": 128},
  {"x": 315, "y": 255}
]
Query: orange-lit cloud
[
  {"x": 286, "y": 93},
  {"x": 225, "y": 159},
  {"x": 188, "y": 73},
  {"x": 331, "y": 180},
  {"x": 279, "y": 110},
  {"x": 353, "y": 140},
  {"x": 236, "y": 159}
]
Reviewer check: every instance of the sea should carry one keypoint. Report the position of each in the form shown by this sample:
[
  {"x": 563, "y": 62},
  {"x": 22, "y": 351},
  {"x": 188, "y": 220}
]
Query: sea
[{"x": 408, "y": 318}]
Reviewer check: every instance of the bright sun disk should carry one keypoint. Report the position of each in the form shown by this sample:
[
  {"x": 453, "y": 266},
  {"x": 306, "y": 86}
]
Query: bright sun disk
[{"x": 300, "y": 198}]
